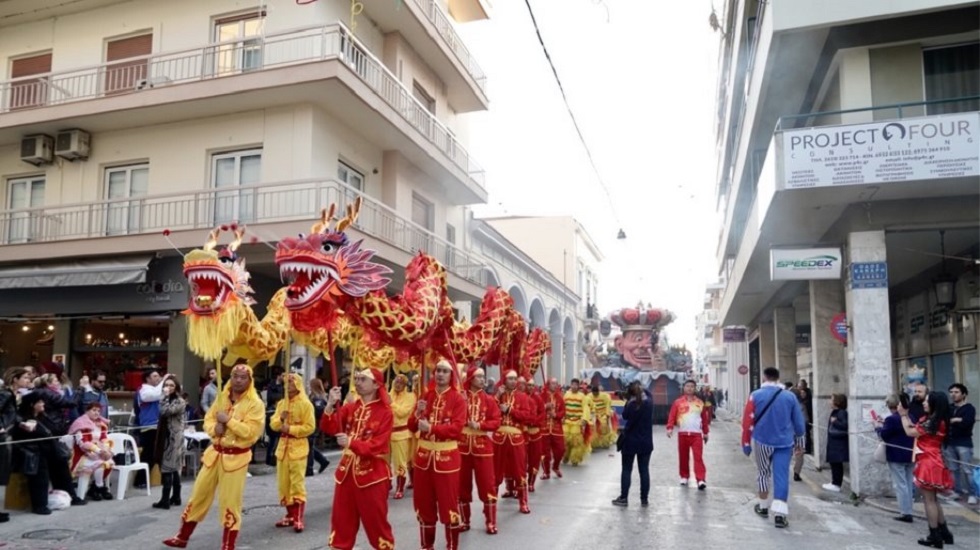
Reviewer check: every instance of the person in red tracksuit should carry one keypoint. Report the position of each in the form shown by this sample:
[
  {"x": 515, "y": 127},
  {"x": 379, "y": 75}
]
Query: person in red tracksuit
[
  {"x": 510, "y": 455},
  {"x": 363, "y": 429},
  {"x": 439, "y": 419},
  {"x": 534, "y": 435},
  {"x": 482, "y": 416},
  {"x": 554, "y": 437},
  {"x": 691, "y": 417}
]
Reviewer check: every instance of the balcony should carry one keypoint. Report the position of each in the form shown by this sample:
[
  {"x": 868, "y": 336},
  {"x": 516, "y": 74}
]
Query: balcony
[
  {"x": 260, "y": 206},
  {"x": 430, "y": 32},
  {"x": 324, "y": 65}
]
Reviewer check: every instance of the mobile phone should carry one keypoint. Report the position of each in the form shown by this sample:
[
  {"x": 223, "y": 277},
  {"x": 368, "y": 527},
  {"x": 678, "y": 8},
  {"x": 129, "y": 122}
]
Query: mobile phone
[{"x": 874, "y": 415}]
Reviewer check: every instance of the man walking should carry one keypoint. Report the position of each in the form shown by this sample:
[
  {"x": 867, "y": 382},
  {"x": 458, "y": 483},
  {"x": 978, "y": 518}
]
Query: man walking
[
  {"x": 958, "y": 447},
  {"x": 771, "y": 425},
  {"x": 234, "y": 423},
  {"x": 510, "y": 454},
  {"x": 476, "y": 450},
  {"x": 554, "y": 436},
  {"x": 604, "y": 436},
  {"x": 691, "y": 417},
  {"x": 578, "y": 415}
]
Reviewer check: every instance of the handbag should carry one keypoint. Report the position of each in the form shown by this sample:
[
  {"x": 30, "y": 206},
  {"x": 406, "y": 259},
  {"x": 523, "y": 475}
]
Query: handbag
[
  {"x": 32, "y": 462},
  {"x": 880, "y": 455}
]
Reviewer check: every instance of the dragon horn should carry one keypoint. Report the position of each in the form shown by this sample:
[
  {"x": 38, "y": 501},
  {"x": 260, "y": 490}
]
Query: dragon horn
[
  {"x": 352, "y": 211},
  {"x": 212, "y": 239},
  {"x": 239, "y": 235},
  {"x": 326, "y": 216}
]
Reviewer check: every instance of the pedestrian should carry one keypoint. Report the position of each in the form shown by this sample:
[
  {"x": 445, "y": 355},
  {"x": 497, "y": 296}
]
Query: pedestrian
[
  {"x": 274, "y": 391},
  {"x": 807, "y": 396},
  {"x": 234, "y": 424},
  {"x": 637, "y": 443},
  {"x": 771, "y": 425},
  {"x": 96, "y": 392},
  {"x": 476, "y": 450},
  {"x": 293, "y": 420},
  {"x": 554, "y": 435},
  {"x": 169, "y": 446},
  {"x": 898, "y": 455},
  {"x": 916, "y": 407},
  {"x": 691, "y": 416},
  {"x": 439, "y": 419},
  {"x": 797, "y": 454},
  {"x": 147, "y": 417},
  {"x": 837, "y": 442},
  {"x": 931, "y": 475},
  {"x": 958, "y": 447},
  {"x": 363, "y": 430},
  {"x": 318, "y": 397},
  {"x": 403, "y": 403},
  {"x": 210, "y": 391}
]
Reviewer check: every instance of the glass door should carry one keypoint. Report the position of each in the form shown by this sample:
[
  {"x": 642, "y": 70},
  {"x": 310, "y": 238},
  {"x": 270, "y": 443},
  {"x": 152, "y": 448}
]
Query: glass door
[
  {"x": 124, "y": 217},
  {"x": 230, "y": 171},
  {"x": 239, "y": 46},
  {"x": 25, "y": 193}
]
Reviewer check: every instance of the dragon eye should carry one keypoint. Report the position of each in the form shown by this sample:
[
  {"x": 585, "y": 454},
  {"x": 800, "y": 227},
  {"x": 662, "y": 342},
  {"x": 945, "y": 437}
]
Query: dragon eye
[
  {"x": 227, "y": 260},
  {"x": 329, "y": 247}
]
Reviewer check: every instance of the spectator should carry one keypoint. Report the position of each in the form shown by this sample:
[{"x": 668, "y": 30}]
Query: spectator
[
  {"x": 274, "y": 392},
  {"x": 96, "y": 393},
  {"x": 898, "y": 454},
  {"x": 169, "y": 445},
  {"x": 147, "y": 418},
  {"x": 14, "y": 379},
  {"x": 210, "y": 392},
  {"x": 919, "y": 393},
  {"x": 837, "y": 442},
  {"x": 318, "y": 396},
  {"x": 637, "y": 443},
  {"x": 92, "y": 455},
  {"x": 56, "y": 405},
  {"x": 807, "y": 397},
  {"x": 692, "y": 417},
  {"x": 958, "y": 447}
]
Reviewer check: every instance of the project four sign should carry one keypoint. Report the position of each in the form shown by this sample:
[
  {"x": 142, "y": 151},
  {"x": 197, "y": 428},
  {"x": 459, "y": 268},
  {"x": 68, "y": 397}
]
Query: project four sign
[{"x": 804, "y": 264}]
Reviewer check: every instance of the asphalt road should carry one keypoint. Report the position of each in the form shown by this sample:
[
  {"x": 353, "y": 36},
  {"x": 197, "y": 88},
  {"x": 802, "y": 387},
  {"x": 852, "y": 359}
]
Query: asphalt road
[{"x": 570, "y": 513}]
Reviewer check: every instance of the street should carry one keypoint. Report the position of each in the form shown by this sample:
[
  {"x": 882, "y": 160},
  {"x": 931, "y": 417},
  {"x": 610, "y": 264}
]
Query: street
[{"x": 573, "y": 512}]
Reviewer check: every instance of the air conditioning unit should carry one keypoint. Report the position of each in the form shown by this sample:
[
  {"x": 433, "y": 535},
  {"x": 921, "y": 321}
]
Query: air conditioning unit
[
  {"x": 72, "y": 144},
  {"x": 37, "y": 149}
]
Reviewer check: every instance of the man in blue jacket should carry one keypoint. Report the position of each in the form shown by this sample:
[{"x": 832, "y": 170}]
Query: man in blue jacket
[
  {"x": 773, "y": 424},
  {"x": 148, "y": 414}
]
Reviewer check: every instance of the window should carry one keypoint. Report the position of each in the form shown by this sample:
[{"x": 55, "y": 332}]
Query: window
[
  {"x": 125, "y": 76},
  {"x": 121, "y": 182},
  {"x": 423, "y": 96},
  {"x": 230, "y": 171},
  {"x": 422, "y": 117},
  {"x": 952, "y": 72},
  {"x": 29, "y": 92},
  {"x": 350, "y": 176},
  {"x": 450, "y": 250},
  {"x": 25, "y": 193},
  {"x": 239, "y": 47},
  {"x": 423, "y": 214}
]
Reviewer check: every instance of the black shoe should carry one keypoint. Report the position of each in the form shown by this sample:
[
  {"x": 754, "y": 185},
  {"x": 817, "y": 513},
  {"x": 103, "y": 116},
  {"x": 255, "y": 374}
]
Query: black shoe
[
  {"x": 175, "y": 501},
  {"x": 764, "y": 512},
  {"x": 644, "y": 503},
  {"x": 4, "y": 517},
  {"x": 42, "y": 511},
  {"x": 139, "y": 485},
  {"x": 162, "y": 505},
  {"x": 620, "y": 502},
  {"x": 796, "y": 477},
  {"x": 904, "y": 518},
  {"x": 323, "y": 466},
  {"x": 94, "y": 494},
  {"x": 782, "y": 522},
  {"x": 945, "y": 534},
  {"x": 75, "y": 501},
  {"x": 934, "y": 540},
  {"x": 105, "y": 493},
  {"x": 309, "y": 473}
]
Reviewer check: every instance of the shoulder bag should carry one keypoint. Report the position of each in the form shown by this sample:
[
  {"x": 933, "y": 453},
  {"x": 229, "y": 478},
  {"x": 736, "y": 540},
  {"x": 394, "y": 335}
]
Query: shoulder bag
[{"x": 766, "y": 408}]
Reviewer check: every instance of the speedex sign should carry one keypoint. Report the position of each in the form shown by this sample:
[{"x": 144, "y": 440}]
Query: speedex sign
[{"x": 804, "y": 264}]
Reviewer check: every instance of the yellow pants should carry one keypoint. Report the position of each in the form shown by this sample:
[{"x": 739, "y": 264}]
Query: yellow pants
[
  {"x": 401, "y": 454},
  {"x": 228, "y": 485},
  {"x": 291, "y": 475},
  {"x": 605, "y": 436},
  {"x": 575, "y": 448}
]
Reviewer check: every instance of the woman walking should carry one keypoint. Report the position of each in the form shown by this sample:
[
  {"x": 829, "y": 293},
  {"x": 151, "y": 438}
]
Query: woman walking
[
  {"x": 169, "y": 448},
  {"x": 837, "y": 445},
  {"x": 931, "y": 475},
  {"x": 637, "y": 443},
  {"x": 898, "y": 454}
]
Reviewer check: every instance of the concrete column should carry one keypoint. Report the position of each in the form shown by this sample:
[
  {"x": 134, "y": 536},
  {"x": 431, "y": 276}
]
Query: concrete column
[
  {"x": 855, "y": 85},
  {"x": 737, "y": 355},
  {"x": 784, "y": 319},
  {"x": 767, "y": 346},
  {"x": 869, "y": 361},
  {"x": 829, "y": 371}
]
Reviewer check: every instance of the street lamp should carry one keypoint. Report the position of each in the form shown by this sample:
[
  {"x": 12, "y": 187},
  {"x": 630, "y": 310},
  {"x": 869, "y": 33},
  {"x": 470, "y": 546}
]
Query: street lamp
[{"x": 622, "y": 235}]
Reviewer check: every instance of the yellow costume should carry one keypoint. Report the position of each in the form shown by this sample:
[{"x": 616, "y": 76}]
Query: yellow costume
[
  {"x": 402, "y": 439},
  {"x": 578, "y": 415},
  {"x": 225, "y": 462},
  {"x": 292, "y": 451},
  {"x": 602, "y": 407}
]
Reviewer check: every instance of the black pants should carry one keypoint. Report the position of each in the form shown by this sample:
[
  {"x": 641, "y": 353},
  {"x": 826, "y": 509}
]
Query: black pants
[
  {"x": 837, "y": 473},
  {"x": 53, "y": 471},
  {"x": 147, "y": 442},
  {"x": 315, "y": 454},
  {"x": 642, "y": 464}
]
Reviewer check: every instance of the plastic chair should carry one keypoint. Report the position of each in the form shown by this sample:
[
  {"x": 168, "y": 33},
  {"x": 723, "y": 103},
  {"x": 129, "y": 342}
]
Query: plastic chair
[{"x": 123, "y": 479}]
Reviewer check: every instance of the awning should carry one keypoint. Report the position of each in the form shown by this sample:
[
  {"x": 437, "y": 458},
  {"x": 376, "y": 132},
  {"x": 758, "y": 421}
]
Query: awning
[{"x": 113, "y": 271}]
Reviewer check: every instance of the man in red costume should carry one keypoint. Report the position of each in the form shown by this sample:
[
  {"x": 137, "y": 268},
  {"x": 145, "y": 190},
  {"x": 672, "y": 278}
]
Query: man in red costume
[
  {"x": 691, "y": 417},
  {"x": 533, "y": 432},
  {"x": 482, "y": 416},
  {"x": 439, "y": 419},
  {"x": 554, "y": 435},
  {"x": 510, "y": 455},
  {"x": 363, "y": 429}
]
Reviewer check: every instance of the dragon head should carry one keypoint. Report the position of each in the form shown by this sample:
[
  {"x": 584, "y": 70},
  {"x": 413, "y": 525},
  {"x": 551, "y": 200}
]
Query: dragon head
[
  {"x": 325, "y": 267},
  {"x": 217, "y": 278}
]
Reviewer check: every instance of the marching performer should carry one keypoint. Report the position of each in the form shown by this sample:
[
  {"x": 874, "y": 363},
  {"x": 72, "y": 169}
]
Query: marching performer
[
  {"x": 363, "y": 429},
  {"x": 578, "y": 415},
  {"x": 402, "y": 439},
  {"x": 293, "y": 419},
  {"x": 602, "y": 406},
  {"x": 534, "y": 434},
  {"x": 691, "y": 417},
  {"x": 554, "y": 436},
  {"x": 439, "y": 419},
  {"x": 235, "y": 422},
  {"x": 510, "y": 455},
  {"x": 482, "y": 416}
]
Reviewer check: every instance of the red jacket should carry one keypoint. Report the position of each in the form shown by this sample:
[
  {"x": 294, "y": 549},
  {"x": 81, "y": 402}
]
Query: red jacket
[
  {"x": 553, "y": 423},
  {"x": 483, "y": 409},
  {"x": 438, "y": 448},
  {"x": 512, "y": 422},
  {"x": 368, "y": 425},
  {"x": 689, "y": 416}
]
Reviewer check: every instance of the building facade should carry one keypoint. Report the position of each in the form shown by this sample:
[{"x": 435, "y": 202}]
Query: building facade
[{"x": 848, "y": 183}]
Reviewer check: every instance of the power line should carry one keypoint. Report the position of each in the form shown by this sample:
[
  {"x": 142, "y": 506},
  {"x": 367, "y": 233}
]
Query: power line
[{"x": 568, "y": 107}]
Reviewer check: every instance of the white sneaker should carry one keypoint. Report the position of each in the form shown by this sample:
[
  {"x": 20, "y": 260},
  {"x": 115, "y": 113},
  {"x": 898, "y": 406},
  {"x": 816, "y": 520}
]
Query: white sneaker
[
  {"x": 971, "y": 500},
  {"x": 831, "y": 487},
  {"x": 684, "y": 481}
]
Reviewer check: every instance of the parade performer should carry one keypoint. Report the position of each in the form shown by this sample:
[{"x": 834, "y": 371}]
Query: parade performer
[
  {"x": 234, "y": 423},
  {"x": 605, "y": 436},
  {"x": 363, "y": 428},
  {"x": 482, "y": 416},
  {"x": 439, "y": 419},
  {"x": 92, "y": 452},
  {"x": 692, "y": 417},
  {"x": 578, "y": 414},
  {"x": 510, "y": 454},
  {"x": 293, "y": 419},
  {"x": 554, "y": 435},
  {"x": 402, "y": 439},
  {"x": 533, "y": 433}
]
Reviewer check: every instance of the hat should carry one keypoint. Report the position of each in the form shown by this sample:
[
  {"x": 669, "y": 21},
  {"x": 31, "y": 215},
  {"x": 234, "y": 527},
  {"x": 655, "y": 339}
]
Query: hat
[
  {"x": 453, "y": 378},
  {"x": 470, "y": 373}
]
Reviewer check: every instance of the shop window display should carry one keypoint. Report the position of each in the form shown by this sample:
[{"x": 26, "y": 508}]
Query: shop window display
[{"x": 121, "y": 349}]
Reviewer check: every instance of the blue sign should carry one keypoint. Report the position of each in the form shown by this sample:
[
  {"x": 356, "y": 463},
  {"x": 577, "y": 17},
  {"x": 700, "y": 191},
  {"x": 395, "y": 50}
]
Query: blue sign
[{"x": 869, "y": 275}]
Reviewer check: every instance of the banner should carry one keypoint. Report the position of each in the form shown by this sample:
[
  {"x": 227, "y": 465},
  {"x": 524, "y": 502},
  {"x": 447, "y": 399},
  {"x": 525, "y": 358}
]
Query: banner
[{"x": 804, "y": 264}]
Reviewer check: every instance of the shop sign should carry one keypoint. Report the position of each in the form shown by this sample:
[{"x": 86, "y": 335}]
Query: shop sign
[
  {"x": 733, "y": 335},
  {"x": 838, "y": 328},
  {"x": 869, "y": 275},
  {"x": 743, "y": 369},
  {"x": 803, "y": 336},
  {"x": 804, "y": 264},
  {"x": 161, "y": 291}
]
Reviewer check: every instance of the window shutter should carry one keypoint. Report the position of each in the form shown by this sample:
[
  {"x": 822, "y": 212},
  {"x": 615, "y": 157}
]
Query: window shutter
[
  {"x": 123, "y": 77},
  {"x": 26, "y": 66},
  {"x": 129, "y": 47}
]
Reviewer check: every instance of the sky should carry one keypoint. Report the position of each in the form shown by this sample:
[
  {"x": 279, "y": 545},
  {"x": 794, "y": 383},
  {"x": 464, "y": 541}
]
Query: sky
[{"x": 640, "y": 77}]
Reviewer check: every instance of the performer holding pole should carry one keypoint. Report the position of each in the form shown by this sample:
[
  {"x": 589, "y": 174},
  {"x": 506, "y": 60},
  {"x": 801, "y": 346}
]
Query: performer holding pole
[
  {"x": 294, "y": 420},
  {"x": 554, "y": 434},
  {"x": 533, "y": 429},
  {"x": 510, "y": 455},
  {"x": 482, "y": 416}
]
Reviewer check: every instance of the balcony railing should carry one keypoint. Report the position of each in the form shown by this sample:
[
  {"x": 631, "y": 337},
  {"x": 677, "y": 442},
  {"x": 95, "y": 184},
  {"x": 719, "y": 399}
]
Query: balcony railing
[
  {"x": 444, "y": 27},
  {"x": 249, "y": 204},
  {"x": 231, "y": 58}
]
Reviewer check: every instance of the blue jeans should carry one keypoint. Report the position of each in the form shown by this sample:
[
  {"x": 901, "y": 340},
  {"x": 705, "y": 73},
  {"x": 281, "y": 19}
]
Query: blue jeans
[
  {"x": 642, "y": 464},
  {"x": 903, "y": 482},
  {"x": 959, "y": 460}
]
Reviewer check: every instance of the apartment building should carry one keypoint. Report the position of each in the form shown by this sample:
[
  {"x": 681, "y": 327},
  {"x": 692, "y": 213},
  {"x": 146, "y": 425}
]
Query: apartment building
[
  {"x": 848, "y": 182},
  {"x": 122, "y": 119}
]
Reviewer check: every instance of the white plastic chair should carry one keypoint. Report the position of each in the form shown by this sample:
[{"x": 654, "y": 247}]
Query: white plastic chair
[{"x": 123, "y": 479}]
